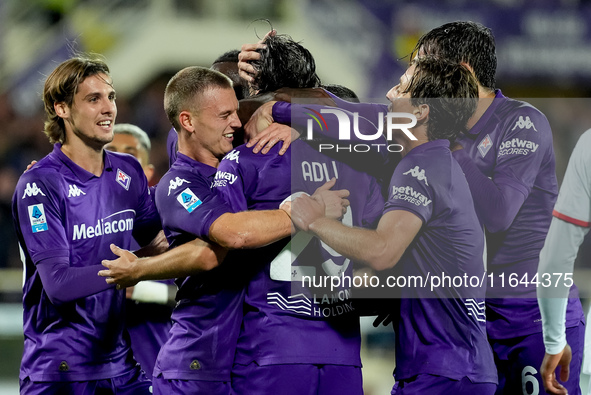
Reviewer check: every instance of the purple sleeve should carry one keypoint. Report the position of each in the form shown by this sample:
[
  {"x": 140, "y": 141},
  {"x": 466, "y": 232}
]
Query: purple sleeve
[
  {"x": 229, "y": 184},
  {"x": 369, "y": 110},
  {"x": 409, "y": 193},
  {"x": 39, "y": 218},
  {"x": 64, "y": 283},
  {"x": 40, "y": 222},
  {"x": 519, "y": 159},
  {"x": 496, "y": 204},
  {"x": 191, "y": 208},
  {"x": 297, "y": 115}
]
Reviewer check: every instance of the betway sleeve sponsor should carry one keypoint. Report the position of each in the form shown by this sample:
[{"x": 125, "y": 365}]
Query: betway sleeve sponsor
[
  {"x": 36, "y": 205},
  {"x": 525, "y": 145},
  {"x": 574, "y": 199},
  {"x": 410, "y": 190},
  {"x": 229, "y": 183}
]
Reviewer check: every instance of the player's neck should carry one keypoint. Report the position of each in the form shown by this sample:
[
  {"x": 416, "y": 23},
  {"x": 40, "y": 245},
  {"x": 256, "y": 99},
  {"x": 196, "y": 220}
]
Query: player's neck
[
  {"x": 200, "y": 155},
  {"x": 485, "y": 99},
  {"x": 408, "y": 144},
  {"x": 88, "y": 158}
]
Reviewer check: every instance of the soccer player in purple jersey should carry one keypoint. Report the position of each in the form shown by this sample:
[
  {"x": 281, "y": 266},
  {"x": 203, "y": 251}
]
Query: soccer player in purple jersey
[
  {"x": 197, "y": 358},
  {"x": 149, "y": 303},
  {"x": 67, "y": 209},
  {"x": 294, "y": 340},
  {"x": 202, "y": 106},
  {"x": 508, "y": 160},
  {"x": 227, "y": 64},
  {"x": 441, "y": 344}
]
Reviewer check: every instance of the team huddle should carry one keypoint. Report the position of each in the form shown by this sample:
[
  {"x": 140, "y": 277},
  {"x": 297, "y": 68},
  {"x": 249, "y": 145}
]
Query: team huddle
[{"x": 251, "y": 206}]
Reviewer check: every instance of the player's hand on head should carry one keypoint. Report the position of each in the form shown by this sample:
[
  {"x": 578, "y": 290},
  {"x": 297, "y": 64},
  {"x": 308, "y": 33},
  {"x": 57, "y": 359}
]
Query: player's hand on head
[
  {"x": 272, "y": 135},
  {"x": 335, "y": 202},
  {"x": 248, "y": 53},
  {"x": 548, "y": 370},
  {"x": 120, "y": 271},
  {"x": 260, "y": 120}
]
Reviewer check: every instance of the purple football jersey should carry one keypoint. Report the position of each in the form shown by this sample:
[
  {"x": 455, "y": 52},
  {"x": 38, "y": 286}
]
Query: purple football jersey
[
  {"x": 66, "y": 216},
  {"x": 512, "y": 145},
  {"x": 286, "y": 323},
  {"x": 206, "y": 320},
  {"x": 443, "y": 334}
]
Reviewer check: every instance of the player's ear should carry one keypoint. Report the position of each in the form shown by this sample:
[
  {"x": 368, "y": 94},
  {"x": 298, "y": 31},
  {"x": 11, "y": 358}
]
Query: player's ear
[
  {"x": 186, "y": 121},
  {"x": 61, "y": 109},
  {"x": 421, "y": 112}
]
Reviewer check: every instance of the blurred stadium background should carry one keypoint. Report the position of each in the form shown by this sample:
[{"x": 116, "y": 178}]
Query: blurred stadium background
[{"x": 543, "y": 47}]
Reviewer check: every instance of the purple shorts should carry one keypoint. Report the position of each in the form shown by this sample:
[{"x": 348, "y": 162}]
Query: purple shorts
[
  {"x": 296, "y": 379},
  {"x": 438, "y": 385},
  {"x": 133, "y": 383},
  {"x": 519, "y": 360},
  {"x": 164, "y": 386}
]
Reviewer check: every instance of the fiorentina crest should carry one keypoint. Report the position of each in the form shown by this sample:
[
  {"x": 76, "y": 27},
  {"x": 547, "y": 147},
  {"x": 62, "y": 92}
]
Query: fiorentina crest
[{"x": 123, "y": 179}]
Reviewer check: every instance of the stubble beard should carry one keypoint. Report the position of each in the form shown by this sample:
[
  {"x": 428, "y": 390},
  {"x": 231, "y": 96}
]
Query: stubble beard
[{"x": 94, "y": 142}]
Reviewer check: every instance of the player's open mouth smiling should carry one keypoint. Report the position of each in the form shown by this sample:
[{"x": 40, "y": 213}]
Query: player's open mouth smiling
[{"x": 105, "y": 124}]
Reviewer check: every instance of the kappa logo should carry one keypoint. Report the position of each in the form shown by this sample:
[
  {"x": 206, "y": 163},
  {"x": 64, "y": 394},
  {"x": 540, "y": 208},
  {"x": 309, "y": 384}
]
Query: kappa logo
[
  {"x": 75, "y": 191},
  {"x": 417, "y": 173},
  {"x": 32, "y": 190},
  {"x": 233, "y": 155},
  {"x": 524, "y": 123},
  {"x": 123, "y": 179},
  {"x": 177, "y": 182},
  {"x": 485, "y": 145}
]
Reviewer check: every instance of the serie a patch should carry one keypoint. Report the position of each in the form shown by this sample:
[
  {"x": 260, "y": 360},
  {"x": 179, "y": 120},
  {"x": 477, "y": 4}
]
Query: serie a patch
[
  {"x": 189, "y": 200},
  {"x": 37, "y": 218}
]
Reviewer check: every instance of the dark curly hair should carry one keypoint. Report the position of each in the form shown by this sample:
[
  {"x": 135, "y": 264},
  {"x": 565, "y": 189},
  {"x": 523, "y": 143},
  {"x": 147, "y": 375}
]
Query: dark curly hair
[
  {"x": 284, "y": 64},
  {"x": 463, "y": 41}
]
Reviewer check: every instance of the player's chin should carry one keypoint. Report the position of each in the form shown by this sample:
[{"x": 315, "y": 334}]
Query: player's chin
[{"x": 227, "y": 146}]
